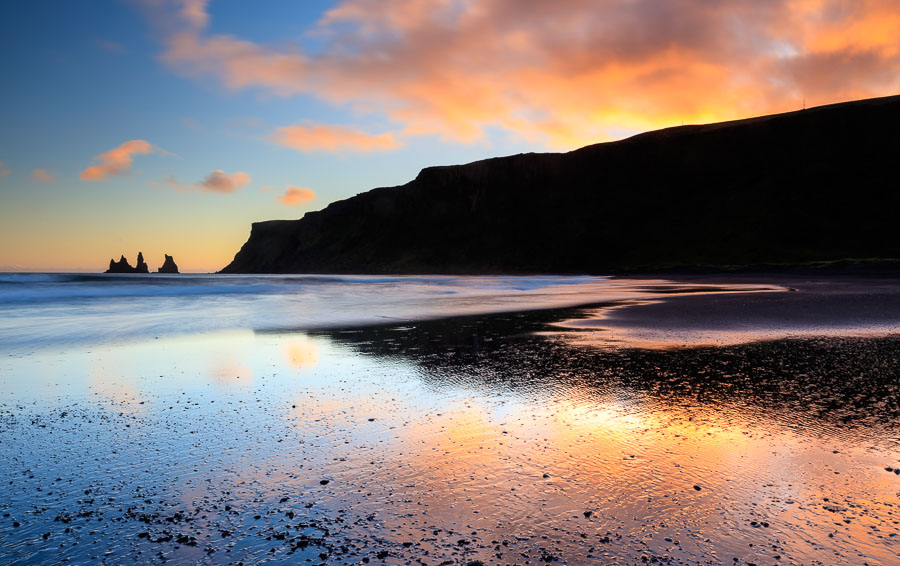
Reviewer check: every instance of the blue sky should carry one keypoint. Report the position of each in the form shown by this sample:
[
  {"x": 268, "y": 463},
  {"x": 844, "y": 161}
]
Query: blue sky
[{"x": 238, "y": 102}]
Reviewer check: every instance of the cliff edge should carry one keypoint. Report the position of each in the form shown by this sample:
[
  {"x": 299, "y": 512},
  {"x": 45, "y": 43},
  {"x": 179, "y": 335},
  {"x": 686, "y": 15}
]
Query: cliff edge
[{"x": 813, "y": 185}]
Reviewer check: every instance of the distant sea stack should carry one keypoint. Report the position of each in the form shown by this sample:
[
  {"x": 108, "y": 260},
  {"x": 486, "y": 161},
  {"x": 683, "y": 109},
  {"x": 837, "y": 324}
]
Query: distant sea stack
[
  {"x": 812, "y": 185},
  {"x": 168, "y": 266},
  {"x": 122, "y": 266}
]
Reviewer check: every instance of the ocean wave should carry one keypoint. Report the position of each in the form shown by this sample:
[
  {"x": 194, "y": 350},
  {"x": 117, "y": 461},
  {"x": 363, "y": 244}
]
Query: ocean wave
[{"x": 39, "y": 287}]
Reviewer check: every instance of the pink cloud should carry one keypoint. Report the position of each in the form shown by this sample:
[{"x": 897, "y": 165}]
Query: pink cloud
[
  {"x": 325, "y": 137},
  {"x": 43, "y": 176},
  {"x": 3, "y": 170},
  {"x": 194, "y": 13},
  {"x": 216, "y": 182},
  {"x": 295, "y": 196},
  {"x": 116, "y": 161},
  {"x": 565, "y": 73}
]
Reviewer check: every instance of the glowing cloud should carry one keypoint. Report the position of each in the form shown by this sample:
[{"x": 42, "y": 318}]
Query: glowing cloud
[
  {"x": 3, "y": 170},
  {"x": 566, "y": 73},
  {"x": 216, "y": 182},
  {"x": 116, "y": 161},
  {"x": 43, "y": 176},
  {"x": 194, "y": 12},
  {"x": 295, "y": 196},
  {"x": 324, "y": 137}
]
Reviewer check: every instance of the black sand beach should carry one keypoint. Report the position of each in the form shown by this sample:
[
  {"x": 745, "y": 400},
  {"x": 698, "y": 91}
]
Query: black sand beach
[{"x": 745, "y": 428}]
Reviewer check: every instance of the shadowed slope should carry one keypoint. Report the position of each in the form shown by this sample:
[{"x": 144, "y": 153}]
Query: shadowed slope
[{"x": 813, "y": 185}]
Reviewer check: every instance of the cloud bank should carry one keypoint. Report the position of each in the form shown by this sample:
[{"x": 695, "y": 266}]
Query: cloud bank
[
  {"x": 43, "y": 176},
  {"x": 216, "y": 182},
  {"x": 117, "y": 161},
  {"x": 324, "y": 137},
  {"x": 566, "y": 73},
  {"x": 295, "y": 196}
]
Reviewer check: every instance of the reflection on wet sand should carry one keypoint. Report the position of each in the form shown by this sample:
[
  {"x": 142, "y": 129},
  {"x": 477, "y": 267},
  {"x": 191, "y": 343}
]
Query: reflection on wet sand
[
  {"x": 302, "y": 352},
  {"x": 478, "y": 438},
  {"x": 754, "y": 452},
  {"x": 731, "y": 312}
]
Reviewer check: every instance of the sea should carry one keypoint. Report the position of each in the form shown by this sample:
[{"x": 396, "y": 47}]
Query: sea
[
  {"x": 48, "y": 309},
  {"x": 333, "y": 419}
]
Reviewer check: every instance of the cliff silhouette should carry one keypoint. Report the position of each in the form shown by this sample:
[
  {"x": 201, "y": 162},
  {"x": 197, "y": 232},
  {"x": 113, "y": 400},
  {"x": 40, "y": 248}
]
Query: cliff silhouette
[{"x": 820, "y": 184}]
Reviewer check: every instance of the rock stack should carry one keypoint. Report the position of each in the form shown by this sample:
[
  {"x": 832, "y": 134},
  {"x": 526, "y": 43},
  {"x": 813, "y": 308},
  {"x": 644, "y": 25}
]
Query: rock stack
[
  {"x": 168, "y": 266},
  {"x": 122, "y": 266}
]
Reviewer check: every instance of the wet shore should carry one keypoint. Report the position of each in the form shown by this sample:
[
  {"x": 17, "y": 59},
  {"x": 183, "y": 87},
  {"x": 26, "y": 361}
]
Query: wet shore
[{"x": 498, "y": 439}]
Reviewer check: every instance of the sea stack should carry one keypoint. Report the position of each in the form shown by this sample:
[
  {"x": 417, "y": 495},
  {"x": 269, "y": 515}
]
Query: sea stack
[
  {"x": 122, "y": 266},
  {"x": 168, "y": 266},
  {"x": 141, "y": 266}
]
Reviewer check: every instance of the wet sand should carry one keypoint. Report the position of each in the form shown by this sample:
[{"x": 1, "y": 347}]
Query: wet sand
[
  {"x": 494, "y": 439},
  {"x": 813, "y": 306}
]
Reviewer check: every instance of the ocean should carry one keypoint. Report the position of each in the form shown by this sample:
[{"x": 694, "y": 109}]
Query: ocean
[{"x": 56, "y": 309}]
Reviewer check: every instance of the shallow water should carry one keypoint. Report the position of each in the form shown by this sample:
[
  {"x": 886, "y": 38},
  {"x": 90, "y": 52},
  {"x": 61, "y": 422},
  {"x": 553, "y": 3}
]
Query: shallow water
[
  {"x": 496, "y": 438},
  {"x": 53, "y": 310}
]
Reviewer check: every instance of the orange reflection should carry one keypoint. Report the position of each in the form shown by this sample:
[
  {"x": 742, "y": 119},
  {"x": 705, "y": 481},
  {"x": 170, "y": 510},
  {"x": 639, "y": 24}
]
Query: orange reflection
[
  {"x": 302, "y": 353},
  {"x": 230, "y": 371}
]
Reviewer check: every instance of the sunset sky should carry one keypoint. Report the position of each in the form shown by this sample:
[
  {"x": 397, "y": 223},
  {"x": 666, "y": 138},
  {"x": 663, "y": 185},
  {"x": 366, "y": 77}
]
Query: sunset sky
[{"x": 168, "y": 126}]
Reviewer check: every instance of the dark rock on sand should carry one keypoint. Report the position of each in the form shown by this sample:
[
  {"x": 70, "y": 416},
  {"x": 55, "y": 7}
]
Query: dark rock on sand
[
  {"x": 168, "y": 265},
  {"x": 805, "y": 186}
]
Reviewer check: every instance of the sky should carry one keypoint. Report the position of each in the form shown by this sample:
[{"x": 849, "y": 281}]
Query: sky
[{"x": 169, "y": 126}]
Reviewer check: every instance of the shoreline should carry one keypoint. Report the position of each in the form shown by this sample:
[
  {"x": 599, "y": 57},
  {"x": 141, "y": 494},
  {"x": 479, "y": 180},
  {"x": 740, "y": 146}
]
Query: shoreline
[{"x": 473, "y": 438}]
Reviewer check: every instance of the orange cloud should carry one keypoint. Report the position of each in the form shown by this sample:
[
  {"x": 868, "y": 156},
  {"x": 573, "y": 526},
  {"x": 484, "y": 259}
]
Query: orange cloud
[
  {"x": 216, "y": 182},
  {"x": 325, "y": 137},
  {"x": 194, "y": 12},
  {"x": 43, "y": 176},
  {"x": 295, "y": 196},
  {"x": 116, "y": 161},
  {"x": 570, "y": 73},
  {"x": 3, "y": 170}
]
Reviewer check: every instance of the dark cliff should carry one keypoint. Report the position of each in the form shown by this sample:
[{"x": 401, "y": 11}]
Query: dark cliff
[{"x": 814, "y": 185}]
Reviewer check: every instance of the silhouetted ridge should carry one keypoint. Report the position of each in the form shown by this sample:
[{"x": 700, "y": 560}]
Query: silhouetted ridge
[{"x": 812, "y": 185}]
